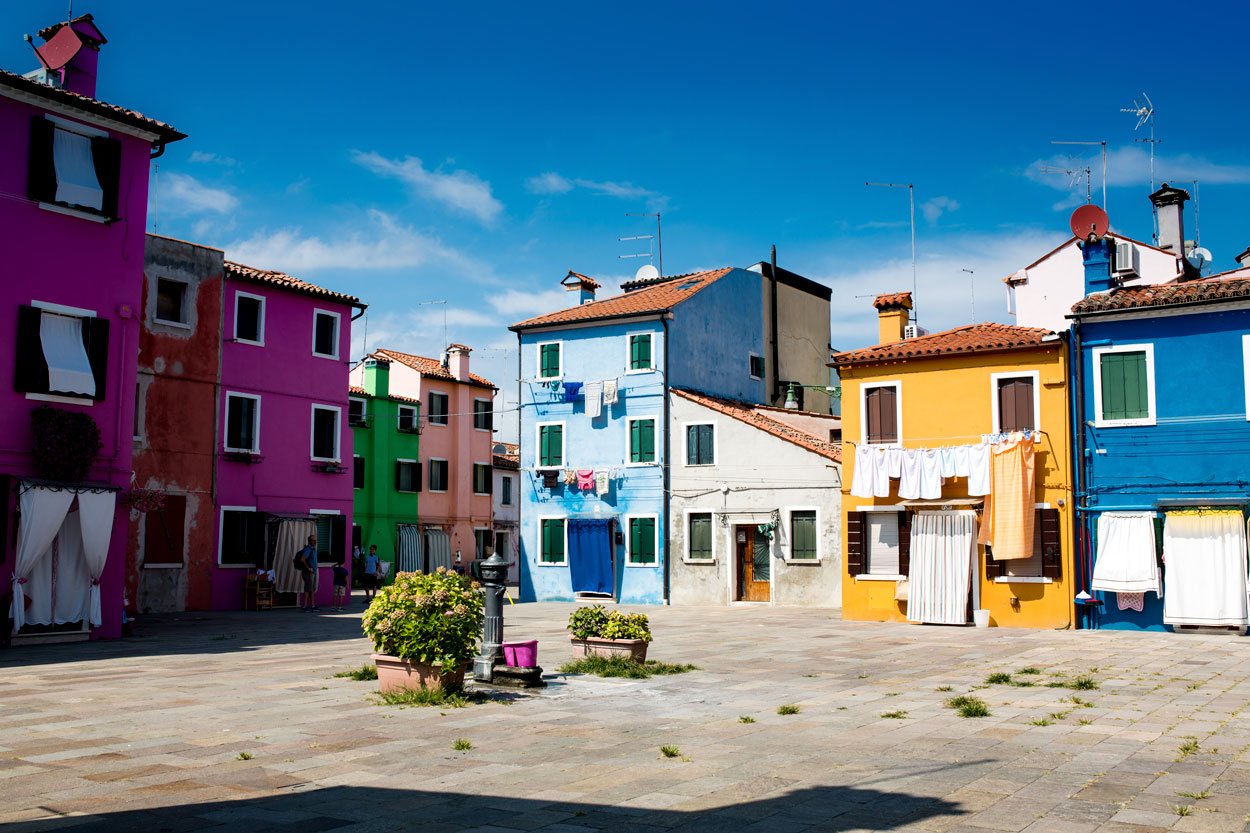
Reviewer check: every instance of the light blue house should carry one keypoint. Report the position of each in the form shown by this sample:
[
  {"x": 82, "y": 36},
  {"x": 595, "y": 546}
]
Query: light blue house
[
  {"x": 594, "y": 382},
  {"x": 1163, "y": 428}
]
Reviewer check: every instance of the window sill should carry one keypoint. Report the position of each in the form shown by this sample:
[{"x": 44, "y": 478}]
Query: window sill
[
  {"x": 431, "y": 421},
  {"x": 649, "y": 565},
  {"x": 64, "y": 400},
  {"x": 238, "y": 566},
  {"x": 639, "y": 371},
  {"x": 75, "y": 212},
  {"x": 698, "y": 561},
  {"x": 407, "y": 492},
  {"x": 317, "y": 355},
  {"x": 182, "y": 325},
  {"x": 481, "y": 494},
  {"x": 811, "y": 562},
  {"x": 875, "y": 577},
  {"x": 247, "y": 457},
  {"x": 163, "y": 566},
  {"x": 553, "y": 563},
  {"x": 639, "y": 465},
  {"x": 437, "y": 491},
  {"x": 700, "y": 465},
  {"x": 1125, "y": 423},
  {"x": 247, "y": 341},
  {"x": 1023, "y": 580}
]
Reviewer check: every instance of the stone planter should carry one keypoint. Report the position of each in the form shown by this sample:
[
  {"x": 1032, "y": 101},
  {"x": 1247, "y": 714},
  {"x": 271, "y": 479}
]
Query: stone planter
[
  {"x": 395, "y": 673},
  {"x": 635, "y": 649}
]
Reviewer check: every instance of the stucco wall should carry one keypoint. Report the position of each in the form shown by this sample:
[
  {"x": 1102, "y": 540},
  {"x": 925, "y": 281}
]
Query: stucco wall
[
  {"x": 507, "y": 519},
  {"x": 713, "y": 334},
  {"x": 763, "y": 473},
  {"x": 803, "y": 343}
]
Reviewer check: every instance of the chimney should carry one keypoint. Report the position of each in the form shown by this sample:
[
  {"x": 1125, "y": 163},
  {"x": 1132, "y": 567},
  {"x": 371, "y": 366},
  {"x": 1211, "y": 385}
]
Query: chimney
[
  {"x": 1169, "y": 202},
  {"x": 893, "y": 311},
  {"x": 1096, "y": 255},
  {"x": 70, "y": 54},
  {"x": 378, "y": 376},
  {"x": 458, "y": 361},
  {"x": 1243, "y": 259},
  {"x": 584, "y": 287}
]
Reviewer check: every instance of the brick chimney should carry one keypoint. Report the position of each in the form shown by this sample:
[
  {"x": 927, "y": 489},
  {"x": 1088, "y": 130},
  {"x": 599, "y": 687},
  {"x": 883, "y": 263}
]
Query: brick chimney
[
  {"x": 458, "y": 361},
  {"x": 70, "y": 54},
  {"x": 583, "y": 286},
  {"x": 893, "y": 311},
  {"x": 1169, "y": 202}
]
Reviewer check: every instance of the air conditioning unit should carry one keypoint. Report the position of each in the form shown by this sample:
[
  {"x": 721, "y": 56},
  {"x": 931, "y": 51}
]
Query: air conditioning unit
[
  {"x": 914, "y": 330},
  {"x": 1127, "y": 260}
]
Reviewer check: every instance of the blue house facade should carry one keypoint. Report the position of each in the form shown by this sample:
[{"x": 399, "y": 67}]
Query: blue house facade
[{"x": 594, "y": 427}]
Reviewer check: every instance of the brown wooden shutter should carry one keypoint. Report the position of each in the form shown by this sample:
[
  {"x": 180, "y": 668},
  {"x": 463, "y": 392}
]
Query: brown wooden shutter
[
  {"x": 1006, "y": 405},
  {"x": 416, "y": 477},
  {"x": 856, "y": 546},
  {"x": 889, "y": 414},
  {"x": 1052, "y": 554},
  {"x": 993, "y": 568},
  {"x": 399, "y": 487},
  {"x": 873, "y": 398},
  {"x": 904, "y": 543},
  {"x": 95, "y": 337},
  {"x": 30, "y": 374},
  {"x": 1025, "y": 418},
  {"x": 107, "y": 155},
  {"x": 41, "y": 169}
]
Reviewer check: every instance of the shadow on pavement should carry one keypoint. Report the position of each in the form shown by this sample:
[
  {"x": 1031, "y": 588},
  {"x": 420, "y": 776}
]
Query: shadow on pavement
[{"x": 376, "y": 809}]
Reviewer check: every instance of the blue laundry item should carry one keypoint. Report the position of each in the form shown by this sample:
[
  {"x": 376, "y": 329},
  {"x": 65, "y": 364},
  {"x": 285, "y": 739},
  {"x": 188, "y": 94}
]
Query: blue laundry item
[
  {"x": 571, "y": 391},
  {"x": 590, "y": 556},
  {"x": 554, "y": 386}
]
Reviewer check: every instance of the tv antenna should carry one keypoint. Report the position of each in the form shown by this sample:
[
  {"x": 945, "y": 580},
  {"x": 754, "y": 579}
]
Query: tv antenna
[
  {"x": 659, "y": 240},
  {"x": 1104, "y": 169},
  {"x": 972, "y": 290},
  {"x": 911, "y": 194},
  {"x": 650, "y": 253},
  {"x": 1146, "y": 115},
  {"x": 444, "y": 303},
  {"x": 1075, "y": 174}
]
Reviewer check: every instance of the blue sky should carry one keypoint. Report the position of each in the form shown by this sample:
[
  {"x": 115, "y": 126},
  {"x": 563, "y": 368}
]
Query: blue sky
[{"x": 473, "y": 153}]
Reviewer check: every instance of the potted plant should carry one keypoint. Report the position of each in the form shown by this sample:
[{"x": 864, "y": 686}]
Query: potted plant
[
  {"x": 595, "y": 631},
  {"x": 424, "y": 628}
]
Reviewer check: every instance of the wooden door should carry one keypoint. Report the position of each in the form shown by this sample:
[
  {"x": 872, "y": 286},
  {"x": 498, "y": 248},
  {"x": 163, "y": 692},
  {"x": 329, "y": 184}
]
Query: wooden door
[{"x": 754, "y": 563}]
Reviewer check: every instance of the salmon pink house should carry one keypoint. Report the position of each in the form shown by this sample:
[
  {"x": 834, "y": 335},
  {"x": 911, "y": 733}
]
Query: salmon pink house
[{"x": 74, "y": 177}]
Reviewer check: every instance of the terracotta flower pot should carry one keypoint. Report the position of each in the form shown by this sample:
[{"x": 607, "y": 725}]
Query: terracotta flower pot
[
  {"x": 635, "y": 649},
  {"x": 395, "y": 673}
]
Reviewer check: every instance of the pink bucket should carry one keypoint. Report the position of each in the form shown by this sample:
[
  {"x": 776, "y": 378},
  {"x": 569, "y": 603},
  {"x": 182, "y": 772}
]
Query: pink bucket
[{"x": 521, "y": 654}]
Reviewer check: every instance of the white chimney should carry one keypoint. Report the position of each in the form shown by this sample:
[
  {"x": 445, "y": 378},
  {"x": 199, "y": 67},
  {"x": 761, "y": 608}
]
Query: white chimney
[
  {"x": 1169, "y": 204},
  {"x": 458, "y": 361}
]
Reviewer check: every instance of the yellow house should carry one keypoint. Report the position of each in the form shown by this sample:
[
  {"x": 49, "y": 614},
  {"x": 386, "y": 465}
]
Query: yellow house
[{"x": 914, "y": 409}]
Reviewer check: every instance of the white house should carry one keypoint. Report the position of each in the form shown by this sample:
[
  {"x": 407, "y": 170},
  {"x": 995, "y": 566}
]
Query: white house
[{"x": 506, "y": 506}]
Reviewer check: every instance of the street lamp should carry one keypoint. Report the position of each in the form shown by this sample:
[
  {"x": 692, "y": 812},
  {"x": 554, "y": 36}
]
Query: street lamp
[{"x": 792, "y": 399}]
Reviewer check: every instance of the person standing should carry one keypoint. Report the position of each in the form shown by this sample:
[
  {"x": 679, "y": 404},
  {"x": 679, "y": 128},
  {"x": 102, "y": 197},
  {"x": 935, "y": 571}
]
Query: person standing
[
  {"x": 370, "y": 579},
  {"x": 340, "y": 585},
  {"x": 306, "y": 563}
]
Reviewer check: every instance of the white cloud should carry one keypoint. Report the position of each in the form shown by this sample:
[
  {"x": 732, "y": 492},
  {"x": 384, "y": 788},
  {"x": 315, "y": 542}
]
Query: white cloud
[
  {"x": 934, "y": 208},
  {"x": 183, "y": 194},
  {"x": 553, "y": 183},
  {"x": 460, "y": 190},
  {"x": 1129, "y": 165},
  {"x": 548, "y": 183},
  {"x": 205, "y": 158}
]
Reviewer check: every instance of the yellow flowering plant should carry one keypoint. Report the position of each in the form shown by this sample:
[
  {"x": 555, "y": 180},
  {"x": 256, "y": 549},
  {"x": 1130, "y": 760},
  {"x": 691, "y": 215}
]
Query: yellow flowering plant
[{"x": 427, "y": 618}]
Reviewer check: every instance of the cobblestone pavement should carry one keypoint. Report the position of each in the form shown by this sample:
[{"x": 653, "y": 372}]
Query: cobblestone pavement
[{"x": 234, "y": 722}]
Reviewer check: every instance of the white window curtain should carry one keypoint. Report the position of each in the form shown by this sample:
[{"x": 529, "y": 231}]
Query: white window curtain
[
  {"x": 1205, "y": 557},
  {"x": 69, "y": 369},
  {"x": 438, "y": 547},
  {"x": 72, "y": 600},
  {"x": 95, "y": 515},
  {"x": 1125, "y": 561},
  {"x": 292, "y": 537},
  {"x": 942, "y": 546},
  {"x": 76, "y": 182},
  {"x": 43, "y": 510}
]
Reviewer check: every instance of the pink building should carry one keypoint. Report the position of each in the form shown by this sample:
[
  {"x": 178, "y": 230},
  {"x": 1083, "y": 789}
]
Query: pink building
[
  {"x": 457, "y": 422},
  {"x": 74, "y": 174},
  {"x": 284, "y": 444}
]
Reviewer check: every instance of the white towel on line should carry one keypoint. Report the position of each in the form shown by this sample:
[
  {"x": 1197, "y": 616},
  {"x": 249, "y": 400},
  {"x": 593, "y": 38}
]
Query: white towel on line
[
  {"x": 930, "y": 473},
  {"x": 880, "y": 472},
  {"x": 979, "y": 469},
  {"x": 862, "y": 474},
  {"x": 1125, "y": 559},
  {"x": 909, "y": 485},
  {"x": 594, "y": 393},
  {"x": 609, "y": 392}
]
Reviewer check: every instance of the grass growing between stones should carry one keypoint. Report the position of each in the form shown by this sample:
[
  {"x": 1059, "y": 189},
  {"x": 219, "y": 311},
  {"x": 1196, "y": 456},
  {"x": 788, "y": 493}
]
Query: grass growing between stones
[
  {"x": 243, "y": 756},
  {"x": 364, "y": 672},
  {"x": 788, "y": 709},
  {"x": 1041, "y": 721},
  {"x": 968, "y": 706},
  {"x": 998, "y": 678},
  {"x": 898, "y": 715},
  {"x": 670, "y": 751},
  {"x": 1187, "y": 748},
  {"x": 462, "y": 744},
  {"x": 745, "y": 718},
  {"x": 623, "y": 667},
  {"x": 1196, "y": 796},
  {"x": 442, "y": 697},
  {"x": 1182, "y": 809},
  {"x": 1084, "y": 683},
  {"x": 1032, "y": 669}
]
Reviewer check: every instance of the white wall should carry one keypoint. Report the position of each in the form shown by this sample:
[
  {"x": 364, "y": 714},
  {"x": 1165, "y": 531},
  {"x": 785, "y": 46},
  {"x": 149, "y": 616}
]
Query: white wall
[{"x": 508, "y": 519}]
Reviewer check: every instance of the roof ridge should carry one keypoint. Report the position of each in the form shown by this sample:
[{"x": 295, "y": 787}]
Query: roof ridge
[
  {"x": 631, "y": 303},
  {"x": 782, "y": 430}
]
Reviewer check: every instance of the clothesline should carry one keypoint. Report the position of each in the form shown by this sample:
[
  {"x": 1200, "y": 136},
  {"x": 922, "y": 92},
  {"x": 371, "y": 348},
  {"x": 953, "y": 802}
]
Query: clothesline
[{"x": 951, "y": 437}]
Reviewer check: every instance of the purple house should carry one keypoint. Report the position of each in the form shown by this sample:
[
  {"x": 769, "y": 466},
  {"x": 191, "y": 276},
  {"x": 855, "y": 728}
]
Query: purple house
[
  {"x": 74, "y": 176},
  {"x": 284, "y": 443}
]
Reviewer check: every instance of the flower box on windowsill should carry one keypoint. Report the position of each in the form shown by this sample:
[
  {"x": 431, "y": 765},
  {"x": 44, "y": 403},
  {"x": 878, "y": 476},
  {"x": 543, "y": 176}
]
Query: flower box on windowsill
[
  {"x": 241, "y": 457},
  {"x": 359, "y": 423},
  {"x": 412, "y": 429},
  {"x": 329, "y": 468}
]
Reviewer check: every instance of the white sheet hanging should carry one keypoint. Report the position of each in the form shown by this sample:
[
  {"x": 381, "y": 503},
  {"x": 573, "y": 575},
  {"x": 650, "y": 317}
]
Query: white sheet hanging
[
  {"x": 909, "y": 484},
  {"x": 880, "y": 472},
  {"x": 43, "y": 511},
  {"x": 95, "y": 513},
  {"x": 979, "y": 469},
  {"x": 1125, "y": 559},
  {"x": 942, "y": 546},
  {"x": 76, "y": 182},
  {"x": 594, "y": 398},
  {"x": 71, "y": 601},
  {"x": 69, "y": 369},
  {"x": 292, "y": 536},
  {"x": 862, "y": 474},
  {"x": 1205, "y": 556},
  {"x": 930, "y": 473}
]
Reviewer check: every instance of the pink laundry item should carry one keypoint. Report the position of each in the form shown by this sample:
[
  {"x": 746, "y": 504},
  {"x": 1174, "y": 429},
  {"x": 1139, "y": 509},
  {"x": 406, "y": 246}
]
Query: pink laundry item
[
  {"x": 1136, "y": 601},
  {"x": 586, "y": 479}
]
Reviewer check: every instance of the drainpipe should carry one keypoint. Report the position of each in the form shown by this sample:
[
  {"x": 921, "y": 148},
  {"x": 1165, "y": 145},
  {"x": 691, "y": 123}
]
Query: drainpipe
[
  {"x": 520, "y": 473},
  {"x": 776, "y": 391},
  {"x": 666, "y": 467},
  {"x": 1080, "y": 520}
]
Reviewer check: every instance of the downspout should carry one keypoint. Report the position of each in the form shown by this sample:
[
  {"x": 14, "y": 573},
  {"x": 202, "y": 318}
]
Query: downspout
[
  {"x": 667, "y": 465},
  {"x": 772, "y": 273},
  {"x": 520, "y": 474},
  {"x": 1080, "y": 520}
]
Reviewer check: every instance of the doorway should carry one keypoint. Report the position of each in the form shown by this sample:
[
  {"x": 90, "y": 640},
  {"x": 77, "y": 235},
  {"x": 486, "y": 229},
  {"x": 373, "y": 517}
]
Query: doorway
[{"x": 754, "y": 563}]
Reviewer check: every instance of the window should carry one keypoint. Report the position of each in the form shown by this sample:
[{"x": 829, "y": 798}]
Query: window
[
  {"x": 642, "y": 540},
  {"x": 552, "y": 532},
  {"x": 883, "y": 544},
  {"x": 407, "y": 419},
  {"x": 73, "y": 165},
  {"x": 803, "y": 541},
  {"x": 163, "y": 533},
  {"x": 242, "y": 422},
  {"x": 483, "y": 415},
  {"x": 481, "y": 479},
  {"x": 699, "y": 445},
  {"x": 331, "y": 537},
  {"x": 501, "y": 543},
  {"x": 880, "y": 412},
  {"x": 242, "y": 537},
  {"x": 549, "y": 365},
  {"x": 878, "y": 544},
  {"x": 642, "y": 440},
  {"x": 1015, "y": 401},
  {"x": 640, "y": 351},
  {"x": 407, "y": 476},
  {"x": 550, "y": 444},
  {"x": 326, "y": 334},
  {"x": 325, "y": 433},
  {"x": 358, "y": 471},
  {"x": 438, "y": 409},
  {"x": 438, "y": 475},
  {"x": 699, "y": 536},
  {"x": 1124, "y": 386},
  {"x": 1045, "y": 562},
  {"x": 756, "y": 366},
  {"x": 249, "y": 318},
  {"x": 356, "y": 413},
  {"x": 505, "y": 490},
  {"x": 61, "y": 351},
  {"x": 170, "y": 297},
  {"x": 483, "y": 542}
]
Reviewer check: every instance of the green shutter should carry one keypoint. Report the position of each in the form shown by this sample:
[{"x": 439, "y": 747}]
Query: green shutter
[
  {"x": 551, "y": 445},
  {"x": 553, "y": 541},
  {"x": 1125, "y": 394},
  {"x": 700, "y": 536},
  {"x": 642, "y": 540},
  {"x": 642, "y": 441},
  {"x": 803, "y": 535},
  {"x": 640, "y": 352},
  {"x": 549, "y": 361},
  {"x": 692, "y": 445},
  {"x": 635, "y": 441}
]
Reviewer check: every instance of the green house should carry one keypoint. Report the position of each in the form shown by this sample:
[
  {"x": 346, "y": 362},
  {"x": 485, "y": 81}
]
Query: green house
[{"x": 386, "y": 469}]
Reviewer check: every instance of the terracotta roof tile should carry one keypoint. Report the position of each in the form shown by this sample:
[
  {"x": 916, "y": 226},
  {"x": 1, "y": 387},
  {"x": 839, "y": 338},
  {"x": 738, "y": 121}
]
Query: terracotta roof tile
[
  {"x": 653, "y": 299},
  {"x": 509, "y": 462},
  {"x": 746, "y": 412},
  {"x": 356, "y": 389},
  {"x": 431, "y": 368},
  {"x": 359, "y": 391},
  {"x": 893, "y": 299},
  {"x": 281, "y": 279},
  {"x": 1209, "y": 290},
  {"x": 91, "y": 105},
  {"x": 582, "y": 280},
  {"x": 972, "y": 338}
]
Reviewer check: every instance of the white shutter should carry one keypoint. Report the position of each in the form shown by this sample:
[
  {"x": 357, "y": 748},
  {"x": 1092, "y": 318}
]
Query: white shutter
[{"x": 883, "y": 543}]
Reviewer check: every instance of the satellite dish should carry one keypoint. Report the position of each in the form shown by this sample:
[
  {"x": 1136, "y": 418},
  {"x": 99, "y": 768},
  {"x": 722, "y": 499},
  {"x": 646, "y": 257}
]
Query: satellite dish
[
  {"x": 1199, "y": 258},
  {"x": 646, "y": 273},
  {"x": 1089, "y": 221}
]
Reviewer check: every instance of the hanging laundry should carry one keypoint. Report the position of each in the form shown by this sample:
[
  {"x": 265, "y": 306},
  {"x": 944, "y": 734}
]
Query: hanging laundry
[
  {"x": 601, "y": 483},
  {"x": 569, "y": 477},
  {"x": 1125, "y": 561},
  {"x": 978, "y": 469},
  {"x": 1009, "y": 509},
  {"x": 571, "y": 391},
  {"x": 609, "y": 392},
  {"x": 948, "y": 461},
  {"x": 594, "y": 395},
  {"x": 1130, "y": 601},
  {"x": 550, "y": 478},
  {"x": 554, "y": 386},
  {"x": 585, "y": 479},
  {"x": 909, "y": 483},
  {"x": 1206, "y": 560},
  {"x": 930, "y": 473},
  {"x": 880, "y": 473},
  {"x": 894, "y": 462},
  {"x": 862, "y": 474},
  {"x": 961, "y": 460}
]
